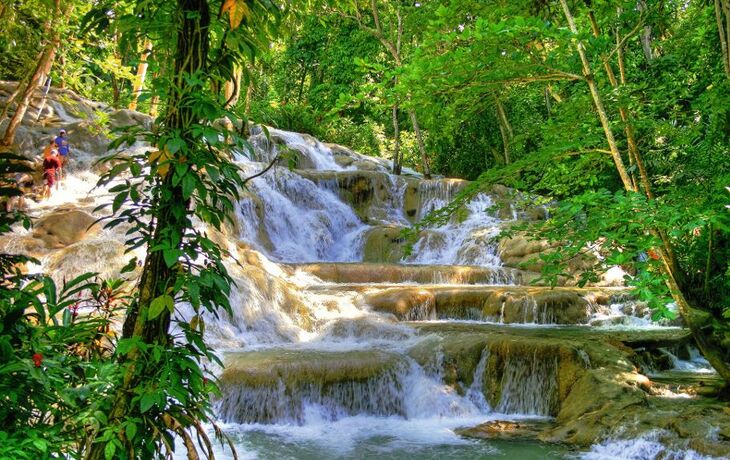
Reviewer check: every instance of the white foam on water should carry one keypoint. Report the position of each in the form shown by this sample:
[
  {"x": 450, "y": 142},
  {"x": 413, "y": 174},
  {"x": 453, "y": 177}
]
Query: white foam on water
[
  {"x": 312, "y": 149},
  {"x": 467, "y": 242},
  {"x": 304, "y": 223},
  {"x": 647, "y": 446},
  {"x": 696, "y": 364}
]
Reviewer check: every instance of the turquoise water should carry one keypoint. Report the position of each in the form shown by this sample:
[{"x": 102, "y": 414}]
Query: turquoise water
[{"x": 265, "y": 445}]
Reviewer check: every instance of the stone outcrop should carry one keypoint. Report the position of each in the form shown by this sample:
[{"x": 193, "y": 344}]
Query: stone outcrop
[
  {"x": 505, "y": 304},
  {"x": 273, "y": 386},
  {"x": 383, "y": 244},
  {"x": 64, "y": 227},
  {"x": 522, "y": 252},
  {"x": 425, "y": 274}
]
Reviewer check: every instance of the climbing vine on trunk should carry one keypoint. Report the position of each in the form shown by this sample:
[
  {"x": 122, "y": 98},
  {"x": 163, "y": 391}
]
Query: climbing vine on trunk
[{"x": 163, "y": 389}]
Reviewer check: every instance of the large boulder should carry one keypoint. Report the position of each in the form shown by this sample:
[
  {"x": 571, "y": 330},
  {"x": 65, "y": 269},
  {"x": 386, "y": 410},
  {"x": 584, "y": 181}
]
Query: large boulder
[
  {"x": 97, "y": 255},
  {"x": 64, "y": 227}
]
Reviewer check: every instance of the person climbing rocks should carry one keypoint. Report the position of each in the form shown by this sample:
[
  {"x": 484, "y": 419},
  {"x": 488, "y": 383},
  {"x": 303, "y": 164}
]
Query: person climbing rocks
[
  {"x": 22, "y": 182},
  {"x": 63, "y": 147},
  {"x": 51, "y": 164},
  {"x": 47, "y": 152}
]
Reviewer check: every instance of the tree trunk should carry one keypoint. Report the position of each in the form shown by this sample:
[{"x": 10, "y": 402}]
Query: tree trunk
[
  {"x": 505, "y": 129},
  {"x": 116, "y": 93},
  {"x": 301, "y": 83},
  {"x": 61, "y": 79},
  {"x": 36, "y": 80},
  {"x": 598, "y": 102},
  {"x": 45, "y": 61},
  {"x": 247, "y": 107},
  {"x": 723, "y": 6},
  {"x": 192, "y": 50},
  {"x": 232, "y": 88},
  {"x": 421, "y": 145},
  {"x": 645, "y": 34},
  {"x": 141, "y": 74},
  {"x": 633, "y": 149},
  {"x": 698, "y": 321},
  {"x": 397, "y": 160}
]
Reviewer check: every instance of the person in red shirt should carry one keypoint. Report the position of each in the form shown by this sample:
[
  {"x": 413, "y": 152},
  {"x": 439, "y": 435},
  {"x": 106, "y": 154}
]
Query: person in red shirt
[{"x": 51, "y": 164}]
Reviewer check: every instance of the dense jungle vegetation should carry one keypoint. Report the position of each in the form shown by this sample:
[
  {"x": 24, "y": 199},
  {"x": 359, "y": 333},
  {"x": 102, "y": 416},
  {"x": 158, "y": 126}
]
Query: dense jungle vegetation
[{"x": 617, "y": 113}]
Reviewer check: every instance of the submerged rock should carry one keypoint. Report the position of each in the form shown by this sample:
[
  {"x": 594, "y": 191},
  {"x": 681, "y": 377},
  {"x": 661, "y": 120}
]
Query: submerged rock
[{"x": 505, "y": 429}]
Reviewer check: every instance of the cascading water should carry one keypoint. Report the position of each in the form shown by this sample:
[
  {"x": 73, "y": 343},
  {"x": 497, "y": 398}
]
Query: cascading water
[{"x": 307, "y": 358}]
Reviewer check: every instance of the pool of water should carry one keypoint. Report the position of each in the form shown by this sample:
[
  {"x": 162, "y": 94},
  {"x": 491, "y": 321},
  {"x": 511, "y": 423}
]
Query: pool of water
[{"x": 254, "y": 444}]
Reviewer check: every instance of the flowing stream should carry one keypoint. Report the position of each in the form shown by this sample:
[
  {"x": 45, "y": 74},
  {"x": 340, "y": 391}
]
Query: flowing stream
[{"x": 341, "y": 346}]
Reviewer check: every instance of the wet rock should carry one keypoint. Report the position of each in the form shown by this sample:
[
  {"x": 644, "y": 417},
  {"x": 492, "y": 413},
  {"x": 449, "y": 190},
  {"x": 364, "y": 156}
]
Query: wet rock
[
  {"x": 125, "y": 117},
  {"x": 503, "y": 429},
  {"x": 64, "y": 227},
  {"x": 274, "y": 385},
  {"x": 522, "y": 252},
  {"x": 505, "y": 304},
  {"x": 419, "y": 304},
  {"x": 426, "y": 274},
  {"x": 102, "y": 256},
  {"x": 383, "y": 244}
]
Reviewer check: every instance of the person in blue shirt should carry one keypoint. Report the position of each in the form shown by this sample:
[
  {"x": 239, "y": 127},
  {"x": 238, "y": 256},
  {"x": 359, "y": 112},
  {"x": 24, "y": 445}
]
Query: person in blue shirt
[
  {"x": 63, "y": 146},
  {"x": 63, "y": 151}
]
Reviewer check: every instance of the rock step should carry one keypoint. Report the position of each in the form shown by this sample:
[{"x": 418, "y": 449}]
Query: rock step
[
  {"x": 515, "y": 370},
  {"x": 355, "y": 273},
  {"x": 276, "y": 385},
  {"x": 503, "y": 304}
]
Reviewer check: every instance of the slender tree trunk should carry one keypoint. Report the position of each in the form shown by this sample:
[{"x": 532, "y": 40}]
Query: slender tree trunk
[
  {"x": 700, "y": 323},
  {"x": 62, "y": 78},
  {"x": 723, "y": 6},
  {"x": 421, "y": 145},
  {"x": 36, "y": 80},
  {"x": 697, "y": 320},
  {"x": 141, "y": 74},
  {"x": 633, "y": 149},
  {"x": 154, "y": 105},
  {"x": 116, "y": 93},
  {"x": 645, "y": 34},
  {"x": 393, "y": 46},
  {"x": 624, "y": 113},
  {"x": 192, "y": 50},
  {"x": 598, "y": 102},
  {"x": 247, "y": 107},
  {"x": 505, "y": 130},
  {"x": 397, "y": 161},
  {"x": 301, "y": 83},
  {"x": 232, "y": 88}
]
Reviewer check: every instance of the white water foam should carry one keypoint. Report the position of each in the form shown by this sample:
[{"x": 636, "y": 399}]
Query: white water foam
[{"x": 647, "y": 446}]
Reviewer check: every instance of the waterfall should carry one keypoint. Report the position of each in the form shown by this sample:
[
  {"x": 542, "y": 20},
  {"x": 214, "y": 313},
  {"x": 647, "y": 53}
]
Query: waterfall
[
  {"x": 303, "y": 222},
  {"x": 308, "y": 353}
]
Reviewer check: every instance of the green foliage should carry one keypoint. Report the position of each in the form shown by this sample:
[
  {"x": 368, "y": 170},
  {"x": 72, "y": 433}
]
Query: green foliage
[
  {"x": 54, "y": 348},
  {"x": 676, "y": 106},
  {"x": 162, "y": 389}
]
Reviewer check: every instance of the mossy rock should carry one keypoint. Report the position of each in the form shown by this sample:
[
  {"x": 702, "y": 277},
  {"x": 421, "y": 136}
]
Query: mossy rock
[
  {"x": 295, "y": 367},
  {"x": 383, "y": 244}
]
